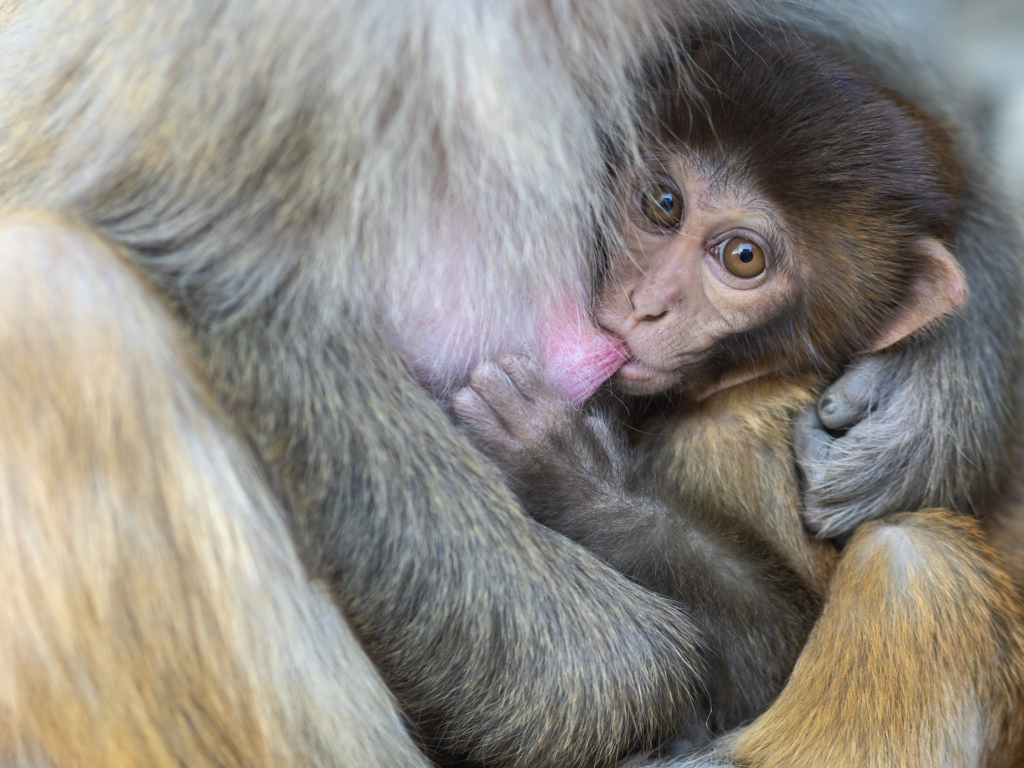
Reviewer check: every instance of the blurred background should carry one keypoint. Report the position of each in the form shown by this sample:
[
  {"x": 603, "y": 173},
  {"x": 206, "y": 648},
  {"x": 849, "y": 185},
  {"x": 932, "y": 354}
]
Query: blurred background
[{"x": 981, "y": 45}]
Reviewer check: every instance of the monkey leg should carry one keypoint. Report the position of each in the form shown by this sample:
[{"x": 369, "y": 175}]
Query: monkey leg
[
  {"x": 916, "y": 660},
  {"x": 154, "y": 611}
]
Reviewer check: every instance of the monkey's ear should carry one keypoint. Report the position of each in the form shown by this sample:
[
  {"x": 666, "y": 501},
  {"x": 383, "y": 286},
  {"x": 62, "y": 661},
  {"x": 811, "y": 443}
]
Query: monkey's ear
[{"x": 937, "y": 288}]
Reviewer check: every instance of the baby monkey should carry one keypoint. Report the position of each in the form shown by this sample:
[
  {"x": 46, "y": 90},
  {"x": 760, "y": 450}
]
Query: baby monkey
[{"x": 792, "y": 218}]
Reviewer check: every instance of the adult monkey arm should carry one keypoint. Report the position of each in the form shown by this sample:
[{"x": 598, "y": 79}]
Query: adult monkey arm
[
  {"x": 928, "y": 423},
  {"x": 156, "y": 612}
]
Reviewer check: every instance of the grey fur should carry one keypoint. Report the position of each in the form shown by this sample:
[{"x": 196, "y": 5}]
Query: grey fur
[
  {"x": 292, "y": 177},
  {"x": 930, "y": 423}
]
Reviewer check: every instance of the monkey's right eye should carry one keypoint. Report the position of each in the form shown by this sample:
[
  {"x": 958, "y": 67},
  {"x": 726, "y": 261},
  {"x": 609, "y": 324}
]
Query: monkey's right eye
[
  {"x": 741, "y": 257},
  {"x": 662, "y": 205}
]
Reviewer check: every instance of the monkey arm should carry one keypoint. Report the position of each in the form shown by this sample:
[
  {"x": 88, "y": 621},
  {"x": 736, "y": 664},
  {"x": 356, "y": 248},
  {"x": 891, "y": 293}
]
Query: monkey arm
[
  {"x": 928, "y": 423},
  {"x": 575, "y": 474},
  {"x": 916, "y": 651},
  {"x": 432, "y": 561},
  {"x": 425, "y": 620},
  {"x": 754, "y": 610}
]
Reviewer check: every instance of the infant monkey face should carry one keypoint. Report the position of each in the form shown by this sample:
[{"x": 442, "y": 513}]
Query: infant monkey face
[{"x": 704, "y": 258}]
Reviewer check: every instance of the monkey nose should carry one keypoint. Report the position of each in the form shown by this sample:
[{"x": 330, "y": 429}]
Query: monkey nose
[
  {"x": 649, "y": 307},
  {"x": 650, "y": 318}
]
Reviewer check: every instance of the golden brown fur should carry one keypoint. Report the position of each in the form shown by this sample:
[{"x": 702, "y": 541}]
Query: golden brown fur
[
  {"x": 263, "y": 203},
  {"x": 732, "y": 454},
  {"x": 127, "y": 503},
  {"x": 916, "y": 659}
]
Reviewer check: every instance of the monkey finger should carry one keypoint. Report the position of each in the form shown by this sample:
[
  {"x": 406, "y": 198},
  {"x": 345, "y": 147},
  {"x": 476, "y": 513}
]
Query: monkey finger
[
  {"x": 521, "y": 419},
  {"x": 525, "y": 373},
  {"x": 812, "y": 444},
  {"x": 475, "y": 417},
  {"x": 848, "y": 400},
  {"x": 497, "y": 388},
  {"x": 550, "y": 407}
]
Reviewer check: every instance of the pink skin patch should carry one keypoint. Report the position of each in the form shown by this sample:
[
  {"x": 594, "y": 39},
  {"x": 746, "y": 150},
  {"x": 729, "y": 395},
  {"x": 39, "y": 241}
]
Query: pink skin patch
[{"x": 577, "y": 357}]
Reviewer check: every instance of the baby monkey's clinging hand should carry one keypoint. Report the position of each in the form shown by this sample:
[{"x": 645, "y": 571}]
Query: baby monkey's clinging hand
[{"x": 554, "y": 456}]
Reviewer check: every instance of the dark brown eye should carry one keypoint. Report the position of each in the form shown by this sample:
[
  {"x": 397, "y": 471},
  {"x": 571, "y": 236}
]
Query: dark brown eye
[
  {"x": 742, "y": 257},
  {"x": 662, "y": 206}
]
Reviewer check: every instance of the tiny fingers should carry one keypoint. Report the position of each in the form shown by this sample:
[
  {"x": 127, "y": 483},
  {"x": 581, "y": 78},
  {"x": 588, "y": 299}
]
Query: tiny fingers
[
  {"x": 848, "y": 400},
  {"x": 540, "y": 405},
  {"x": 508, "y": 406},
  {"x": 811, "y": 439},
  {"x": 526, "y": 375},
  {"x": 500, "y": 392},
  {"x": 474, "y": 414}
]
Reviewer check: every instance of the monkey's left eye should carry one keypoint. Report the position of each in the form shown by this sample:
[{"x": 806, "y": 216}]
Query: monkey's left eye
[
  {"x": 741, "y": 257},
  {"x": 662, "y": 205}
]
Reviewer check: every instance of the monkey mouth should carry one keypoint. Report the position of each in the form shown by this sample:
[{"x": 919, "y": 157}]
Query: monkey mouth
[
  {"x": 634, "y": 370},
  {"x": 689, "y": 374},
  {"x": 637, "y": 369},
  {"x": 635, "y": 377}
]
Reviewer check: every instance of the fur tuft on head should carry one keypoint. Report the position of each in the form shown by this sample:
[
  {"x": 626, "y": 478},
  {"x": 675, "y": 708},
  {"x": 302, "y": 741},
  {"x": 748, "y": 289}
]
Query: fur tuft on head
[{"x": 860, "y": 176}]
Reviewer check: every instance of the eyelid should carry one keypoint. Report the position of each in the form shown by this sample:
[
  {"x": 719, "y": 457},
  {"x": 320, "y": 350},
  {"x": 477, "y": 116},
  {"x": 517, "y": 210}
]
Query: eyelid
[
  {"x": 766, "y": 242},
  {"x": 636, "y": 213}
]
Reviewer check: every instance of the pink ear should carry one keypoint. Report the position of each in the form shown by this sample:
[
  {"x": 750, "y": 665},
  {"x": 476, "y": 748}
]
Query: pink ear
[{"x": 937, "y": 288}]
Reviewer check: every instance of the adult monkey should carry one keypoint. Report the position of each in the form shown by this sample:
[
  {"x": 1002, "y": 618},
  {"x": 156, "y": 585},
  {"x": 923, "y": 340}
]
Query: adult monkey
[{"x": 259, "y": 165}]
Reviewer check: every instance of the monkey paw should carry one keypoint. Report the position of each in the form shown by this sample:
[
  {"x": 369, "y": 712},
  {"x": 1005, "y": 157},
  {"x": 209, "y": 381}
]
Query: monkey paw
[
  {"x": 510, "y": 413},
  {"x": 553, "y": 456},
  {"x": 875, "y": 444}
]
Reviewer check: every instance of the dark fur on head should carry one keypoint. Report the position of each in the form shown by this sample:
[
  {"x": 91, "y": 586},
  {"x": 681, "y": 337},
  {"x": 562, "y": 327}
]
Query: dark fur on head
[{"x": 857, "y": 174}]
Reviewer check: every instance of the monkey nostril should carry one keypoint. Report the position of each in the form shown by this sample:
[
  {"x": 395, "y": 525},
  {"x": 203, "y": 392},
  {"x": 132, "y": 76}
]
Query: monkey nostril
[
  {"x": 653, "y": 302},
  {"x": 653, "y": 318}
]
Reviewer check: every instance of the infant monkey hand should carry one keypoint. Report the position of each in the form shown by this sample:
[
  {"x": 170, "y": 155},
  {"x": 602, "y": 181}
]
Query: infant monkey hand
[{"x": 553, "y": 456}]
